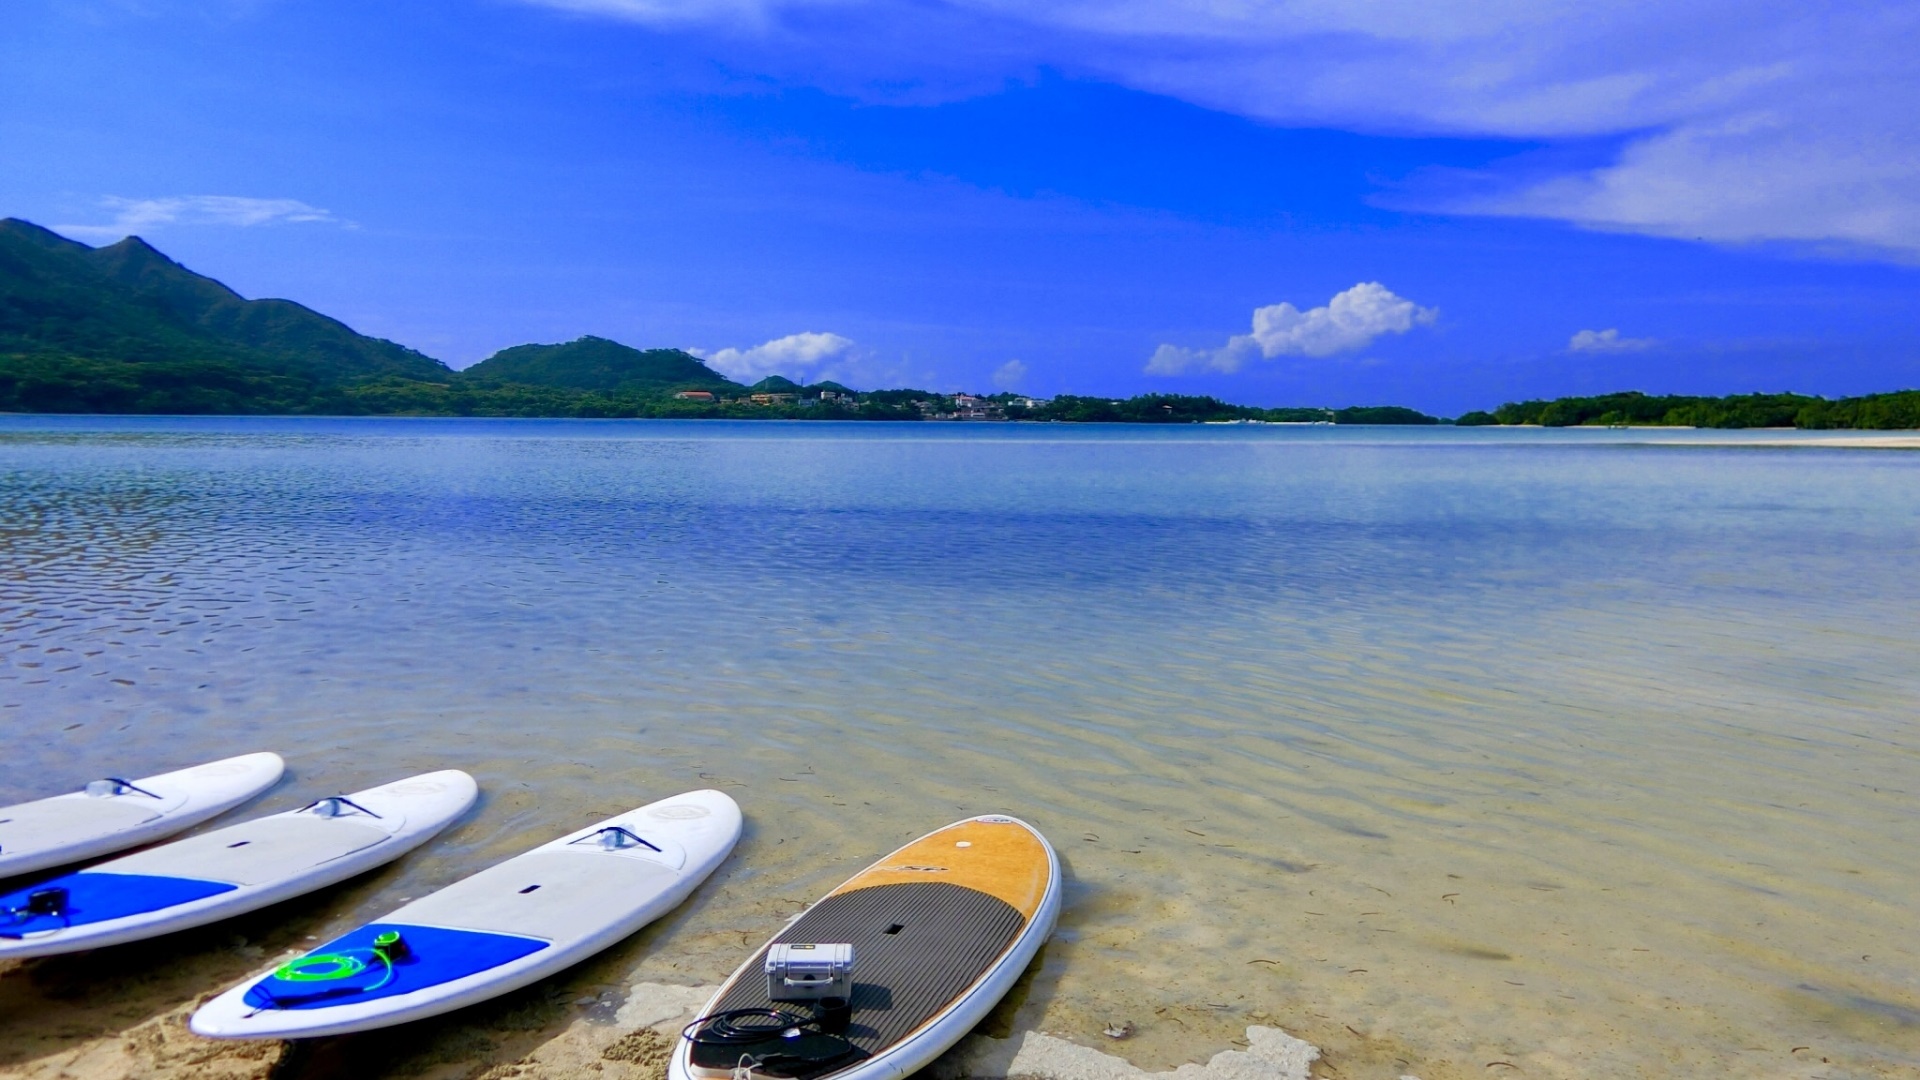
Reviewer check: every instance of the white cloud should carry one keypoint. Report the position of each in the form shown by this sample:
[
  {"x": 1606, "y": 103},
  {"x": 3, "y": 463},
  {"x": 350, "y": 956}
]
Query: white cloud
[
  {"x": 1010, "y": 375},
  {"x": 1173, "y": 359},
  {"x": 1757, "y": 177},
  {"x": 800, "y": 357},
  {"x": 1349, "y": 321},
  {"x": 1743, "y": 120},
  {"x": 132, "y": 216},
  {"x": 1608, "y": 340}
]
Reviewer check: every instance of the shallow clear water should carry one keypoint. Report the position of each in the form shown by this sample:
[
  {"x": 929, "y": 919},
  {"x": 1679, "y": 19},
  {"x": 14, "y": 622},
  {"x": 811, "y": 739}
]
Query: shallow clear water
[{"x": 1435, "y": 747}]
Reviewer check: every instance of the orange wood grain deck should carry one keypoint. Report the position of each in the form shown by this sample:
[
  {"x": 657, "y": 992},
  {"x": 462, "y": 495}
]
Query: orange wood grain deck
[{"x": 1003, "y": 859}]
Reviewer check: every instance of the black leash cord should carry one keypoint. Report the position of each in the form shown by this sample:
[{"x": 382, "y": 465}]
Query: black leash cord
[{"x": 727, "y": 1028}]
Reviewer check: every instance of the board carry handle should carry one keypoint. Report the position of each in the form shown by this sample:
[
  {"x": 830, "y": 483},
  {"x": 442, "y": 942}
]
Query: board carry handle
[
  {"x": 615, "y": 837},
  {"x": 329, "y": 807},
  {"x": 109, "y": 786}
]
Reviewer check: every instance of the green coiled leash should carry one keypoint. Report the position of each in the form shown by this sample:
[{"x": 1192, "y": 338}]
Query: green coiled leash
[{"x": 330, "y": 967}]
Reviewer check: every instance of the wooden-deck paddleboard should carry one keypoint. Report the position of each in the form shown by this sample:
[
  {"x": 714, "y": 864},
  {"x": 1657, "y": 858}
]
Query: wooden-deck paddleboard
[
  {"x": 941, "y": 929},
  {"x": 112, "y": 815},
  {"x": 509, "y": 925},
  {"x": 229, "y": 871}
]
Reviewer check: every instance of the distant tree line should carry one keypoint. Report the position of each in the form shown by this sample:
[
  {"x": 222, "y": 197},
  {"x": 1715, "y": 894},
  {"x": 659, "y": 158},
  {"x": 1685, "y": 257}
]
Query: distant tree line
[
  {"x": 69, "y": 384},
  {"x": 74, "y": 384},
  {"x": 1898, "y": 410},
  {"x": 461, "y": 397}
]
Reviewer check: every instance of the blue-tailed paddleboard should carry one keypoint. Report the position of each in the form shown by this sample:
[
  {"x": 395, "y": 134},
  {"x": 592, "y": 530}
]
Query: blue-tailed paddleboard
[
  {"x": 226, "y": 872},
  {"x": 509, "y": 925},
  {"x": 887, "y": 971},
  {"x": 114, "y": 814}
]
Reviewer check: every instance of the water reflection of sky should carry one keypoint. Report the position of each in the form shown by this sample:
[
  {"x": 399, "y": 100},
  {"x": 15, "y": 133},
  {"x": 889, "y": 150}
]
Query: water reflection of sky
[{"x": 1497, "y": 742}]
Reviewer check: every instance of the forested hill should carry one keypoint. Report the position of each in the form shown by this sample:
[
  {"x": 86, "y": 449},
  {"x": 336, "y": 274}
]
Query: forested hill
[
  {"x": 97, "y": 327},
  {"x": 594, "y": 363},
  {"x": 124, "y": 329},
  {"x": 1898, "y": 410}
]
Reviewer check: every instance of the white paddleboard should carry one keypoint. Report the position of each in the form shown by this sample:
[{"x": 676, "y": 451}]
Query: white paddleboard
[
  {"x": 939, "y": 931},
  {"x": 509, "y": 925},
  {"x": 226, "y": 872},
  {"x": 111, "y": 815}
]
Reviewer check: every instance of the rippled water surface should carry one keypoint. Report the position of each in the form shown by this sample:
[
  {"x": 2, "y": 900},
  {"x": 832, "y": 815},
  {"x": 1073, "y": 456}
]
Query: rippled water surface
[{"x": 1440, "y": 748}]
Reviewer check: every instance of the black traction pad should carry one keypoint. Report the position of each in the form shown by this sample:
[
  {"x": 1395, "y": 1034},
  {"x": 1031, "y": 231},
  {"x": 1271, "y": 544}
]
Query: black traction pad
[{"x": 917, "y": 946}]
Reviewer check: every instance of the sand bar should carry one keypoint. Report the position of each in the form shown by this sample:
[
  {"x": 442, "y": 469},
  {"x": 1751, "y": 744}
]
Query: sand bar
[{"x": 1905, "y": 441}]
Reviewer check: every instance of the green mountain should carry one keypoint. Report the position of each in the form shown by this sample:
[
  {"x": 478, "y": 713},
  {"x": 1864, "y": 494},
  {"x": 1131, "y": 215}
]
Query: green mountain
[
  {"x": 127, "y": 302},
  {"x": 776, "y": 384},
  {"x": 594, "y": 363},
  {"x": 780, "y": 384},
  {"x": 124, "y": 329}
]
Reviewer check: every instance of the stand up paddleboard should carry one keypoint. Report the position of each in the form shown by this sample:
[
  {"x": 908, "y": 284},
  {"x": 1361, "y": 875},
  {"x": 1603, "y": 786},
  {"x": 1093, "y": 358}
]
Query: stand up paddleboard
[
  {"x": 113, "y": 814},
  {"x": 229, "y": 871},
  {"x": 505, "y": 927},
  {"x": 922, "y": 944}
]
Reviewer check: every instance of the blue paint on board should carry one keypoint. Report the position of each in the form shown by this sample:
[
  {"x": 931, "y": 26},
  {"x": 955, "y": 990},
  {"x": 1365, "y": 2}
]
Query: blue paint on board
[
  {"x": 433, "y": 955},
  {"x": 96, "y": 898}
]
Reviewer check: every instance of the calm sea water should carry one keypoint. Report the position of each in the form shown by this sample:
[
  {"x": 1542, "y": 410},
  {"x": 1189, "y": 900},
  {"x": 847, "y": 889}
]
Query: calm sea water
[{"x": 1436, "y": 747}]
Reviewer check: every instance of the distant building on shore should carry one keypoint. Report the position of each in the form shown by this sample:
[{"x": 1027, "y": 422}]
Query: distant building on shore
[
  {"x": 695, "y": 395},
  {"x": 967, "y": 407}
]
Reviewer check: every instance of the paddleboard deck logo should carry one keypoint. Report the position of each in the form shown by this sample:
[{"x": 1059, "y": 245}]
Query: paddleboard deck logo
[{"x": 915, "y": 869}]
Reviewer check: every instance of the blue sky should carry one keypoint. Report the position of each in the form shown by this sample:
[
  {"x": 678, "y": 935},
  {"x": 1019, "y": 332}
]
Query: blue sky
[{"x": 1431, "y": 203}]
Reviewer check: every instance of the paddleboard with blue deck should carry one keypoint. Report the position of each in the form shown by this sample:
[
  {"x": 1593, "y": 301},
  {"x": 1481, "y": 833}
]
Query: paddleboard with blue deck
[
  {"x": 889, "y": 970},
  {"x": 114, "y": 814},
  {"x": 503, "y": 928},
  {"x": 229, "y": 871}
]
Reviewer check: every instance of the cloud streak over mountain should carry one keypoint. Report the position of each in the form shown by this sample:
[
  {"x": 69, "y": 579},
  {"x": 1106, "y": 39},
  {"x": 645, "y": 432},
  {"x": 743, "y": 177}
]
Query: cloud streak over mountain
[
  {"x": 132, "y": 216},
  {"x": 1608, "y": 340}
]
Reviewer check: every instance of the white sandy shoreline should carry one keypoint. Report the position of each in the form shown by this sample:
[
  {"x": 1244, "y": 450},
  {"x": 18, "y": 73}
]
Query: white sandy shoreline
[
  {"x": 1766, "y": 437},
  {"x": 1827, "y": 442}
]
